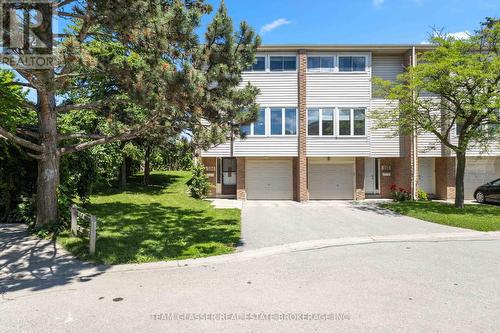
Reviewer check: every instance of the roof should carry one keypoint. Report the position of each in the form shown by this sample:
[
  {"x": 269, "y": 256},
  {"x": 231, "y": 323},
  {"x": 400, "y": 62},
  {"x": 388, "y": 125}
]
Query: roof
[{"x": 378, "y": 48}]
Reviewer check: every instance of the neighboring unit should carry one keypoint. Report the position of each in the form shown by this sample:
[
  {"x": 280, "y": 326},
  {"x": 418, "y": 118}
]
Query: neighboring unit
[{"x": 314, "y": 139}]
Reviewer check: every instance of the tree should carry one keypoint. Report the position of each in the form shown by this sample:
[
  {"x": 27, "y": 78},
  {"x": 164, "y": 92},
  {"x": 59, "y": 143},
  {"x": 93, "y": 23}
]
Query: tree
[
  {"x": 454, "y": 85},
  {"x": 140, "y": 64}
]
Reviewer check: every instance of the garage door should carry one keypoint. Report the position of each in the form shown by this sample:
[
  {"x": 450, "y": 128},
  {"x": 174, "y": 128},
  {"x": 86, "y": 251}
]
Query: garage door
[
  {"x": 331, "y": 181},
  {"x": 269, "y": 179},
  {"x": 427, "y": 175},
  {"x": 479, "y": 171}
]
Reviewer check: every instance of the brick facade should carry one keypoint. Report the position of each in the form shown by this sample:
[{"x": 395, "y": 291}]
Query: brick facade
[
  {"x": 445, "y": 178},
  {"x": 210, "y": 164},
  {"x": 241, "y": 193},
  {"x": 301, "y": 161},
  {"x": 360, "y": 178}
]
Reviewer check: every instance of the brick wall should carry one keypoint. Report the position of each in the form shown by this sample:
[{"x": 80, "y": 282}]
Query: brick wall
[
  {"x": 360, "y": 178},
  {"x": 301, "y": 164},
  {"x": 241, "y": 193},
  {"x": 210, "y": 164},
  {"x": 445, "y": 178}
]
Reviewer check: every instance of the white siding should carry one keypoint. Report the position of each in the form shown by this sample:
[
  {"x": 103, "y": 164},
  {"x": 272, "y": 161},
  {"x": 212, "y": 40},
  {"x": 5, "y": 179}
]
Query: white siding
[
  {"x": 340, "y": 89},
  {"x": 387, "y": 67},
  {"x": 276, "y": 88},
  {"x": 318, "y": 146},
  {"x": 267, "y": 146},
  {"x": 384, "y": 142},
  {"x": 222, "y": 150}
]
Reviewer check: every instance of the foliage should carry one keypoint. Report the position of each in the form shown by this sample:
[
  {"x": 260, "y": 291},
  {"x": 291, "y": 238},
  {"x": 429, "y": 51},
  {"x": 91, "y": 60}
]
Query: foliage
[
  {"x": 156, "y": 223},
  {"x": 199, "y": 185},
  {"x": 175, "y": 155},
  {"x": 456, "y": 84},
  {"x": 476, "y": 217},
  {"x": 422, "y": 195},
  {"x": 399, "y": 193}
]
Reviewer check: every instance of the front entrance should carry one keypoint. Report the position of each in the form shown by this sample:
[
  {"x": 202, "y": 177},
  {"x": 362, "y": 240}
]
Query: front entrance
[
  {"x": 372, "y": 176},
  {"x": 228, "y": 176}
]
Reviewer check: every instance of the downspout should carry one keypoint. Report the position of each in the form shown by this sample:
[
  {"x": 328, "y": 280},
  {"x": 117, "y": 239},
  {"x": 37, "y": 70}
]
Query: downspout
[{"x": 414, "y": 139}]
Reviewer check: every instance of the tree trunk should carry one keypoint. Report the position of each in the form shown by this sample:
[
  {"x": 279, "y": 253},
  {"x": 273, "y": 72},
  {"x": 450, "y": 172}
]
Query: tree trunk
[
  {"x": 123, "y": 174},
  {"x": 48, "y": 165},
  {"x": 459, "y": 181},
  {"x": 147, "y": 165}
]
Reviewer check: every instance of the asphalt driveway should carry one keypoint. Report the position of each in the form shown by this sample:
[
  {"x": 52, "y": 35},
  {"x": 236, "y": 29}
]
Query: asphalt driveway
[{"x": 270, "y": 223}]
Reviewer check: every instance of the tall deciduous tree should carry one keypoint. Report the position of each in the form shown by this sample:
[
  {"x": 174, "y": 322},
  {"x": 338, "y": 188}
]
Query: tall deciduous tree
[
  {"x": 456, "y": 85},
  {"x": 141, "y": 64}
]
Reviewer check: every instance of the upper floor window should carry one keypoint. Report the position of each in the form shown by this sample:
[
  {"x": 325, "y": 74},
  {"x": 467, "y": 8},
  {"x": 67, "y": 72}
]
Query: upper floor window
[
  {"x": 320, "y": 122},
  {"x": 259, "y": 127},
  {"x": 259, "y": 64},
  {"x": 273, "y": 121},
  {"x": 283, "y": 64},
  {"x": 320, "y": 64},
  {"x": 352, "y": 64},
  {"x": 352, "y": 122}
]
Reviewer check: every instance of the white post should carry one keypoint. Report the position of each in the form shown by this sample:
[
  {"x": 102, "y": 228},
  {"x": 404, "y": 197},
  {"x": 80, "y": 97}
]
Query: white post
[
  {"x": 93, "y": 229},
  {"x": 74, "y": 227}
]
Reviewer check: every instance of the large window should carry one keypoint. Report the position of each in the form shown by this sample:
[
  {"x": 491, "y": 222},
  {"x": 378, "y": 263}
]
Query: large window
[
  {"x": 259, "y": 65},
  {"x": 290, "y": 121},
  {"x": 259, "y": 127},
  {"x": 352, "y": 64},
  {"x": 283, "y": 64},
  {"x": 321, "y": 122},
  {"x": 320, "y": 64},
  {"x": 345, "y": 122},
  {"x": 313, "y": 122},
  {"x": 276, "y": 121},
  {"x": 359, "y": 121}
]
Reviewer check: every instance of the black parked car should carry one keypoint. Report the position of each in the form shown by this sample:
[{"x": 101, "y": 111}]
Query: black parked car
[{"x": 488, "y": 192}]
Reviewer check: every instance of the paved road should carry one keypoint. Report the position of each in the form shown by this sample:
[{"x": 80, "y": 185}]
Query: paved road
[
  {"x": 419, "y": 283},
  {"x": 269, "y": 223}
]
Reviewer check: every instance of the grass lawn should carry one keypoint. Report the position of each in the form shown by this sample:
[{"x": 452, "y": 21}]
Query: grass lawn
[
  {"x": 477, "y": 217},
  {"x": 156, "y": 223}
]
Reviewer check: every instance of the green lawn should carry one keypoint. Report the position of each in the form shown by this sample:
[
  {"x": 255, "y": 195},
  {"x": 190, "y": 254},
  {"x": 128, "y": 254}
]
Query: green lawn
[
  {"x": 155, "y": 223},
  {"x": 477, "y": 217}
]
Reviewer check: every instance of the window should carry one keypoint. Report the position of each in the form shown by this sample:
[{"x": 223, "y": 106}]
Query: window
[
  {"x": 352, "y": 64},
  {"x": 276, "y": 121},
  {"x": 313, "y": 122},
  {"x": 281, "y": 64},
  {"x": 245, "y": 130},
  {"x": 259, "y": 65},
  {"x": 359, "y": 121},
  {"x": 259, "y": 127},
  {"x": 327, "y": 127},
  {"x": 345, "y": 122},
  {"x": 290, "y": 121},
  {"x": 320, "y": 64}
]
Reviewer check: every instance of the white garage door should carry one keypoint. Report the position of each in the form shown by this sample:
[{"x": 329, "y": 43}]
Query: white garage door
[
  {"x": 479, "y": 171},
  {"x": 331, "y": 181},
  {"x": 269, "y": 179},
  {"x": 427, "y": 175}
]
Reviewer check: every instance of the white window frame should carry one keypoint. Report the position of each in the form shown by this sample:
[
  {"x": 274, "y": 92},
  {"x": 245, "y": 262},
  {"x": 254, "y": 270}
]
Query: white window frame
[
  {"x": 267, "y": 123},
  {"x": 252, "y": 133},
  {"x": 336, "y": 122},
  {"x": 321, "y": 70},
  {"x": 283, "y": 55},
  {"x": 352, "y": 55},
  {"x": 251, "y": 70}
]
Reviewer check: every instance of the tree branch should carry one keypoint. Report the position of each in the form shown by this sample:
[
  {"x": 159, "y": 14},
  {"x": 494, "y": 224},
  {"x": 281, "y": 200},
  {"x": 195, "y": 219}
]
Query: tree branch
[
  {"x": 22, "y": 142},
  {"x": 79, "y": 136},
  {"x": 82, "y": 146},
  {"x": 31, "y": 134},
  {"x": 85, "y": 106}
]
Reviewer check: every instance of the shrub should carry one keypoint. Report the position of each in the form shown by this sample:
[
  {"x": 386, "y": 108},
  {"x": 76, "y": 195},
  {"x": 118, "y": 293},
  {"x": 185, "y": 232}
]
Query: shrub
[
  {"x": 399, "y": 194},
  {"x": 422, "y": 195},
  {"x": 199, "y": 185}
]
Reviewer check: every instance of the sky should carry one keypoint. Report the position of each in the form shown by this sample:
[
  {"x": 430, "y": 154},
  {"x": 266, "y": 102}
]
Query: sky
[{"x": 358, "y": 21}]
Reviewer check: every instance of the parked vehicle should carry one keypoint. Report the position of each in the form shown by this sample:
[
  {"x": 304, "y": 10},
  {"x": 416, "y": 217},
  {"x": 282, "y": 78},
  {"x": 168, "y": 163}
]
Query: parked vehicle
[{"x": 489, "y": 192}]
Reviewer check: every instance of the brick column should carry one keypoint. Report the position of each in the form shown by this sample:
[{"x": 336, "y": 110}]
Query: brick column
[
  {"x": 301, "y": 180},
  {"x": 210, "y": 164},
  {"x": 241, "y": 193},
  {"x": 445, "y": 178},
  {"x": 360, "y": 178}
]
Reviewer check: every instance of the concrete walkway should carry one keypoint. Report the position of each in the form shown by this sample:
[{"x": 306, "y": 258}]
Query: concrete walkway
[{"x": 270, "y": 223}]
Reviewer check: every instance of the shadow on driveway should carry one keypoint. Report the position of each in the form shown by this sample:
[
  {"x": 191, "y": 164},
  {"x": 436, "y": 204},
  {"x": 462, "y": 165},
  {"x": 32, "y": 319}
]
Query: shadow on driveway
[{"x": 28, "y": 263}]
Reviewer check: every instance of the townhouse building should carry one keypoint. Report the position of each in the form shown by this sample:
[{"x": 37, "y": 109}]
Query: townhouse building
[{"x": 314, "y": 138}]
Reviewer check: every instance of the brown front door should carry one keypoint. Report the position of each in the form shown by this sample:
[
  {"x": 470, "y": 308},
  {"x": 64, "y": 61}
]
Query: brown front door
[{"x": 228, "y": 176}]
